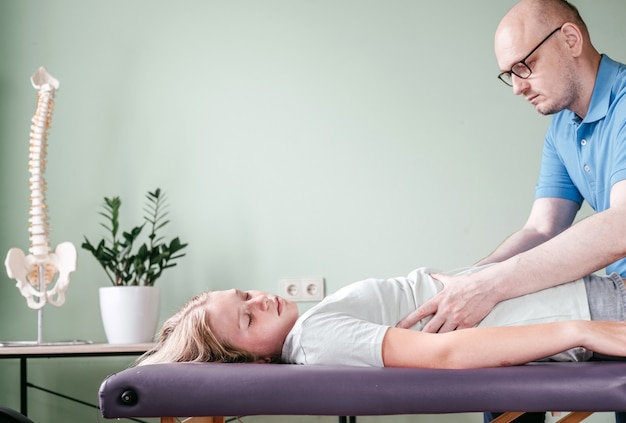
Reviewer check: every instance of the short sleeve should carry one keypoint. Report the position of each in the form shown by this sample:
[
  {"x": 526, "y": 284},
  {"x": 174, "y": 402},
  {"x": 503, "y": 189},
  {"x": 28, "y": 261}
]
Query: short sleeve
[{"x": 554, "y": 180}]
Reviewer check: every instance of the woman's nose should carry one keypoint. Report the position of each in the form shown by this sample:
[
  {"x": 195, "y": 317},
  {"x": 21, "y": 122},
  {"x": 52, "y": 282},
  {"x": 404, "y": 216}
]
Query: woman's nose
[{"x": 261, "y": 301}]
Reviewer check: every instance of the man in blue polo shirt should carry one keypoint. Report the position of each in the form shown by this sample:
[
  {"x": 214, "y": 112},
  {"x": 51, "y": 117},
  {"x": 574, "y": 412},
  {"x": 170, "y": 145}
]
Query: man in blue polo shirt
[{"x": 545, "y": 54}]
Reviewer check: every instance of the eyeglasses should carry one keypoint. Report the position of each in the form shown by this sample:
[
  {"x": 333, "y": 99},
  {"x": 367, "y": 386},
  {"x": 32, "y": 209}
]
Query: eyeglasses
[{"x": 521, "y": 68}]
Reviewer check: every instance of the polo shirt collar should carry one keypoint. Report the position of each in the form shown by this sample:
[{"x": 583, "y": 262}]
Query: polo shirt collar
[{"x": 601, "y": 96}]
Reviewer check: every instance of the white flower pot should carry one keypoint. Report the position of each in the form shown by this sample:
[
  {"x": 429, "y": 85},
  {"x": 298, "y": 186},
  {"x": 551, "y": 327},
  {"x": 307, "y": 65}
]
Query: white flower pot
[{"x": 130, "y": 314}]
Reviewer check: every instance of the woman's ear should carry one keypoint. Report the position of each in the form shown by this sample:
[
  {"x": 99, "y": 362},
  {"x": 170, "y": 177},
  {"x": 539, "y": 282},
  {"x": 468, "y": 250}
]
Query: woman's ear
[
  {"x": 573, "y": 38},
  {"x": 265, "y": 360}
]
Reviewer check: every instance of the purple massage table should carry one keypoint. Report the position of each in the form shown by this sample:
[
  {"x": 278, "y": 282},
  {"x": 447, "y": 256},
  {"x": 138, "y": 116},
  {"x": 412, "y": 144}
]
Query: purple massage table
[{"x": 205, "y": 392}]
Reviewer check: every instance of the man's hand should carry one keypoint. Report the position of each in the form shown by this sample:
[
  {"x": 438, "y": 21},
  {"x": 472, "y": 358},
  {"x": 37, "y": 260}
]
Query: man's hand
[{"x": 462, "y": 303}]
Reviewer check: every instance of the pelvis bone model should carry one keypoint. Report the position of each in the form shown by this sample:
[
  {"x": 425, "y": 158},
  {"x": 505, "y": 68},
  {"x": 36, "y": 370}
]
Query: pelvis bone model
[{"x": 35, "y": 273}]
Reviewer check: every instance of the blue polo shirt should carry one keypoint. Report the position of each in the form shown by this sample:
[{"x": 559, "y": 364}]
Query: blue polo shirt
[{"x": 583, "y": 158}]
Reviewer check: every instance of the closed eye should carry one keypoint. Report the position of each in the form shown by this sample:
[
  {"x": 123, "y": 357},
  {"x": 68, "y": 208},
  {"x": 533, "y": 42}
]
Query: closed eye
[{"x": 247, "y": 297}]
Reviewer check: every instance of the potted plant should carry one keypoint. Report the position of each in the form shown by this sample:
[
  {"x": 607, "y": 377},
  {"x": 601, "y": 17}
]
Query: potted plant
[{"x": 130, "y": 308}]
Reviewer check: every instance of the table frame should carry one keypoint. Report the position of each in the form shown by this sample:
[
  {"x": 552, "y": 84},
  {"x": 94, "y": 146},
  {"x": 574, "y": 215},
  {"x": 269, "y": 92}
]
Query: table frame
[{"x": 27, "y": 351}]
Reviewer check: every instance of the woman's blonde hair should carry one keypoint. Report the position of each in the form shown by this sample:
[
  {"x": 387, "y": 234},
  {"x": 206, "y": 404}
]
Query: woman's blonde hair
[{"x": 187, "y": 337}]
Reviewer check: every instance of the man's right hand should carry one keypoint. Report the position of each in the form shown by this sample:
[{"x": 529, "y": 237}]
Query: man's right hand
[{"x": 462, "y": 303}]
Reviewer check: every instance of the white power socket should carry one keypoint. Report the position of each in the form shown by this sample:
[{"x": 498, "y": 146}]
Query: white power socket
[{"x": 302, "y": 289}]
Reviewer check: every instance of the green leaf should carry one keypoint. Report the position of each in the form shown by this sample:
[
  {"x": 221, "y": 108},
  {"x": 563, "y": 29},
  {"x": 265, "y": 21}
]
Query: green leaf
[{"x": 117, "y": 257}]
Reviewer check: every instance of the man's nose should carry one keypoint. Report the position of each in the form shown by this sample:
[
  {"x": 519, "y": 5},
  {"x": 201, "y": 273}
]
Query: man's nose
[{"x": 519, "y": 84}]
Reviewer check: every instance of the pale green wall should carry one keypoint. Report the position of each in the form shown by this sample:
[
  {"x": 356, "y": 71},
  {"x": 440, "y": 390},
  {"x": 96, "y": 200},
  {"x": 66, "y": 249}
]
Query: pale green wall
[{"x": 344, "y": 138}]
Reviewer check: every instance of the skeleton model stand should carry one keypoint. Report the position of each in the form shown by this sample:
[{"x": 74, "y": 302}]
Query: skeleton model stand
[{"x": 35, "y": 273}]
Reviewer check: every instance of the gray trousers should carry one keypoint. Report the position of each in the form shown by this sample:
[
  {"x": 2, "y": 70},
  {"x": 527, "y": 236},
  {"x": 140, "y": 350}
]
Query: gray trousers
[{"x": 606, "y": 296}]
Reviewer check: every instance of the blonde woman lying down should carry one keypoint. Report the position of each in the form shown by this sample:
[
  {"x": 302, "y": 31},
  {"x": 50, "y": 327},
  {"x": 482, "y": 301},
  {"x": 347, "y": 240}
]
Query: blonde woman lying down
[{"x": 357, "y": 326}]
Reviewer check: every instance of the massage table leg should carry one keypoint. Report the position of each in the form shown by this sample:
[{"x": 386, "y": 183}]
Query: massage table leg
[
  {"x": 507, "y": 417},
  {"x": 574, "y": 417},
  {"x": 216, "y": 419}
]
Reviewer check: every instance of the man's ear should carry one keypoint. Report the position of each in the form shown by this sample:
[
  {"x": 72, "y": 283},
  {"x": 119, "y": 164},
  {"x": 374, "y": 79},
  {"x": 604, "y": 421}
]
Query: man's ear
[{"x": 573, "y": 38}]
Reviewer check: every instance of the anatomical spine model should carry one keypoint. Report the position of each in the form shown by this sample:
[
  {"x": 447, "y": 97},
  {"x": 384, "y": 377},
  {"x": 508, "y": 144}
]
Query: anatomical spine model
[{"x": 35, "y": 273}]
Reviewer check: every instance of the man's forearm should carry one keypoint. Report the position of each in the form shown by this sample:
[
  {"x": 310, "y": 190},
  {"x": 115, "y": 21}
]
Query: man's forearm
[
  {"x": 523, "y": 240},
  {"x": 548, "y": 217},
  {"x": 584, "y": 248}
]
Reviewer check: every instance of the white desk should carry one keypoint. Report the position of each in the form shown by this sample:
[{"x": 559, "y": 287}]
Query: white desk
[{"x": 25, "y": 352}]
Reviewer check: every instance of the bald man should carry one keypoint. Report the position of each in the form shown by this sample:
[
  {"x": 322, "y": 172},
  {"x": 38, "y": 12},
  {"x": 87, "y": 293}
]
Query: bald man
[{"x": 545, "y": 54}]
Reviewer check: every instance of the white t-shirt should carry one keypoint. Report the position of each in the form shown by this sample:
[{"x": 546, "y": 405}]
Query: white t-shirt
[{"x": 347, "y": 327}]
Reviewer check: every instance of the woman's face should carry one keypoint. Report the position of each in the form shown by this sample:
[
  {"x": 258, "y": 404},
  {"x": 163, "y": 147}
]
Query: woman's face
[{"x": 253, "y": 320}]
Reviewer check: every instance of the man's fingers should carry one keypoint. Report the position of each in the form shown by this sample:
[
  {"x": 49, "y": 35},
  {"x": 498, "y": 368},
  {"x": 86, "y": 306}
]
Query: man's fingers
[
  {"x": 409, "y": 320},
  {"x": 448, "y": 327},
  {"x": 434, "y": 325},
  {"x": 425, "y": 310},
  {"x": 430, "y": 308}
]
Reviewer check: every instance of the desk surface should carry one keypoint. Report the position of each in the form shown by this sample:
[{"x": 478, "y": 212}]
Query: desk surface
[{"x": 71, "y": 350}]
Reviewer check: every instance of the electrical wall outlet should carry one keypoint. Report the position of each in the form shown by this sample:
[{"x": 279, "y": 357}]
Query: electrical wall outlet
[
  {"x": 312, "y": 289},
  {"x": 302, "y": 289},
  {"x": 290, "y": 289}
]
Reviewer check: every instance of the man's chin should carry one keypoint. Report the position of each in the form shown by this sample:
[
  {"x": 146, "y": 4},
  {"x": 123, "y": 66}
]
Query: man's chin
[{"x": 542, "y": 109}]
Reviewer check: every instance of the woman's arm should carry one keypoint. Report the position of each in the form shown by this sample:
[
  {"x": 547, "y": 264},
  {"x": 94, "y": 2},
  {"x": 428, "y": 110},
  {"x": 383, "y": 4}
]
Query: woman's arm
[{"x": 499, "y": 346}]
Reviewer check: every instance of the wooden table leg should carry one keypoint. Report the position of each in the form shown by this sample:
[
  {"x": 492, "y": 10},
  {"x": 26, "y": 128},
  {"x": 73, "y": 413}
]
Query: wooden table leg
[{"x": 212, "y": 419}]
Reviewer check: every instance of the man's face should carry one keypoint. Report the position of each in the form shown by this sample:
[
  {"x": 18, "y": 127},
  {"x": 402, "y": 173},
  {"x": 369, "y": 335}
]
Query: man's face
[{"x": 551, "y": 85}]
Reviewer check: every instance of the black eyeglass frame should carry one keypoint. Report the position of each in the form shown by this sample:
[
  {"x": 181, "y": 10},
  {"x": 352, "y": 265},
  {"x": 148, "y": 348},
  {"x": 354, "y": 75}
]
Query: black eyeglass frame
[{"x": 507, "y": 76}]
